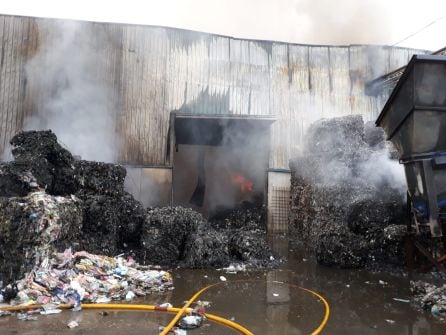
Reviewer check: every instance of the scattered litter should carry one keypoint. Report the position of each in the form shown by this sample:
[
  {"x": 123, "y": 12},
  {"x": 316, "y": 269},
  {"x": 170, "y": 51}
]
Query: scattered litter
[
  {"x": 26, "y": 317},
  {"x": 129, "y": 296},
  {"x": 275, "y": 294},
  {"x": 222, "y": 278},
  {"x": 190, "y": 321},
  {"x": 104, "y": 313},
  {"x": 203, "y": 304},
  {"x": 51, "y": 311},
  {"x": 382, "y": 282},
  {"x": 390, "y": 321},
  {"x": 234, "y": 268},
  {"x": 71, "y": 278},
  {"x": 103, "y": 300},
  {"x": 348, "y": 285},
  {"x": 166, "y": 305},
  {"x": 401, "y": 300},
  {"x": 304, "y": 259},
  {"x": 175, "y": 330},
  {"x": 72, "y": 324}
]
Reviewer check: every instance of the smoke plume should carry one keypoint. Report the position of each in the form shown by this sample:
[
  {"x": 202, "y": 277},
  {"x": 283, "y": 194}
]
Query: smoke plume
[
  {"x": 344, "y": 150},
  {"x": 68, "y": 95}
]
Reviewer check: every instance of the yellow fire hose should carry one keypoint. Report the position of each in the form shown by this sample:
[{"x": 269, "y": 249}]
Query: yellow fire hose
[
  {"x": 131, "y": 307},
  {"x": 179, "y": 311},
  {"x": 196, "y": 295},
  {"x": 183, "y": 309}
]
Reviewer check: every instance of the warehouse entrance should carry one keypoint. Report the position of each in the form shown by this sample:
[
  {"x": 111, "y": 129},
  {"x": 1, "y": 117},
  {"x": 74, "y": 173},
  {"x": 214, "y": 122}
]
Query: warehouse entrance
[{"x": 219, "y": 161}]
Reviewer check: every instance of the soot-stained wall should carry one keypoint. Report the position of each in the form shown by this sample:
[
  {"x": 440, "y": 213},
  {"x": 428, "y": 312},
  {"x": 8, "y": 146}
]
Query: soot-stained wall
[{"x": 145, "y": 72}]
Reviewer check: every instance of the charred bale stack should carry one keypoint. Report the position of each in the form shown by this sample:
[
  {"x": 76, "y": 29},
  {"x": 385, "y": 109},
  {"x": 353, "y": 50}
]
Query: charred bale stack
[
  {"x": 98, "y": 215},
  {"x": 343, "y": 208},
  {"x": 112, "y": 217},
  {"x": 245, "y": 225},
  {"x": 181, "y": 236},
  {"x": 50, "y": 201}
]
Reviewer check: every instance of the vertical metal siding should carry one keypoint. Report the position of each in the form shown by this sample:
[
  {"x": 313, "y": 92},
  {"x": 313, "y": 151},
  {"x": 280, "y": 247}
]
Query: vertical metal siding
[
  {"x": 155, "y": 70},
  {"x": 13, "y": 36}
]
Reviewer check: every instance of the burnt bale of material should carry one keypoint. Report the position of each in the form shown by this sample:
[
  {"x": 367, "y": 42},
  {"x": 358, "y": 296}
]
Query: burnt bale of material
[
  {"x": 50, "y": 164},
  {"x": 343, "y": 207},
  {"x": 207, "y": 248},
  {"x": 16, "y": 180},
  {"x": 97, "y": 178},
  {"x": 245, "y": 226},
  {"x": 181, "y": 236},
  {"x": 166, "y": 232},
  {"x": 111, "y": 224},
  {"x": 112, "y": 217},
  {"x": 244, "y": 215},
  {"x": 251, "y": 247},
  {"x": 31, "y": 227}
]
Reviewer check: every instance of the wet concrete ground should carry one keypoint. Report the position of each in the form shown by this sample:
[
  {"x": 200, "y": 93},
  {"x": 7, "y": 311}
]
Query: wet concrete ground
[{"x": 360, "y": 302}]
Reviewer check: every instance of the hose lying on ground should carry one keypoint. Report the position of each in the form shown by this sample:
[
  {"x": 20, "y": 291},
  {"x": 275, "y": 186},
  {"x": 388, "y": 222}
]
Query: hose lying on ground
[
  {"x": 196, "y": 295},
  {"x": 131, "y": 307},
  {"x": 181, "y": 311}
]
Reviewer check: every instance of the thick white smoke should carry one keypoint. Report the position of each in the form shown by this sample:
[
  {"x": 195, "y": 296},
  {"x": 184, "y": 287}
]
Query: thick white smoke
[{"x": 69, "y": 97}]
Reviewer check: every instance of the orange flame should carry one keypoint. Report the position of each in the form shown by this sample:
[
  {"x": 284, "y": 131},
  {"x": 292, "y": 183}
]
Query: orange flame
[{"x": 246, "y": 185}]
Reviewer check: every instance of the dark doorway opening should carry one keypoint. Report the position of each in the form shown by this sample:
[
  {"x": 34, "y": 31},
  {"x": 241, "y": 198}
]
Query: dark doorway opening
[{"x": 219, "y": 161}]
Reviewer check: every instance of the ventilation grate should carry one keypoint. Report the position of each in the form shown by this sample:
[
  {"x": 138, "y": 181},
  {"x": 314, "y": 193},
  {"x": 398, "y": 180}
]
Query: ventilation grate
[{"x": 280, "y": 208}]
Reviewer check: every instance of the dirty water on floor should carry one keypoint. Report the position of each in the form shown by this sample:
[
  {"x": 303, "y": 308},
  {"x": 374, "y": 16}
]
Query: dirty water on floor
[{"x": 265, "y": 302}]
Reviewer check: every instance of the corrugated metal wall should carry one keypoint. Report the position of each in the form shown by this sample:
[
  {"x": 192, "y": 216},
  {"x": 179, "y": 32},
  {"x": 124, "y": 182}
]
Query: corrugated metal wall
[
  {"x": 17, "y": 45},
  {"x": 155, "y": 70}
]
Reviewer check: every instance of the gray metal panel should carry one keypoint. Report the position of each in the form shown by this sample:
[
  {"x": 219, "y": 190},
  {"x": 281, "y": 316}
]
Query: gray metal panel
[
  {"x": 13, "y": 35},
  {"x": 156, "y": 70}
]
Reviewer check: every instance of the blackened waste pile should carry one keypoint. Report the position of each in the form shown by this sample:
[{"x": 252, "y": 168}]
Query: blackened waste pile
[
  {"x": 340, "y": 208},
  {"x": 49, "y": 202},
  {"x": 430, "y": 297}
]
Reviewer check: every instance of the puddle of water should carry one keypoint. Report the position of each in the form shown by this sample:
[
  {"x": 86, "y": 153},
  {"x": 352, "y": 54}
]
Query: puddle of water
[{"x": 265, "y": 302}]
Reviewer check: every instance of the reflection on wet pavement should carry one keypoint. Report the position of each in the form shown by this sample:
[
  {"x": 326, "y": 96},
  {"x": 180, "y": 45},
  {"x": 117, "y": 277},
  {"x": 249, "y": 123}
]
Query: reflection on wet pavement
[{"x": 265, "y": 302}]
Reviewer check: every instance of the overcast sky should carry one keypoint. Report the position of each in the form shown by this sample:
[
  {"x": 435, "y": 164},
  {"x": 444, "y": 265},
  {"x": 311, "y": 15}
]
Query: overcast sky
[{"x": 297, "y": 21}]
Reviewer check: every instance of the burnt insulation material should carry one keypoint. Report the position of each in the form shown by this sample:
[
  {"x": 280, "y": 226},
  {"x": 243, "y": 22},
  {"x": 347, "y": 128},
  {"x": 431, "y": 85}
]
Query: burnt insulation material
[{"x": 336, "y": 210}]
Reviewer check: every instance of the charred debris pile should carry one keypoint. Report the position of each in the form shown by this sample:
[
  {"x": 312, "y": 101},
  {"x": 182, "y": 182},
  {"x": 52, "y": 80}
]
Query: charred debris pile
[
  {"x": 342, "y": 206},
  {"x": 50, "y": 201},
  {"x": 430, "y": 297}
]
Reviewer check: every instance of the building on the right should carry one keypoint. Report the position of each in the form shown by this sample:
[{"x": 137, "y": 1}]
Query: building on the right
[{"x": 414, "y": 119}]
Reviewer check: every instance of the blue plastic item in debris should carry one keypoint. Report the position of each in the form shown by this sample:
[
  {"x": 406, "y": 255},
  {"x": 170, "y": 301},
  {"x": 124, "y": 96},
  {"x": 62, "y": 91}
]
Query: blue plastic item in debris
[{"x": 422, "y": 210}]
